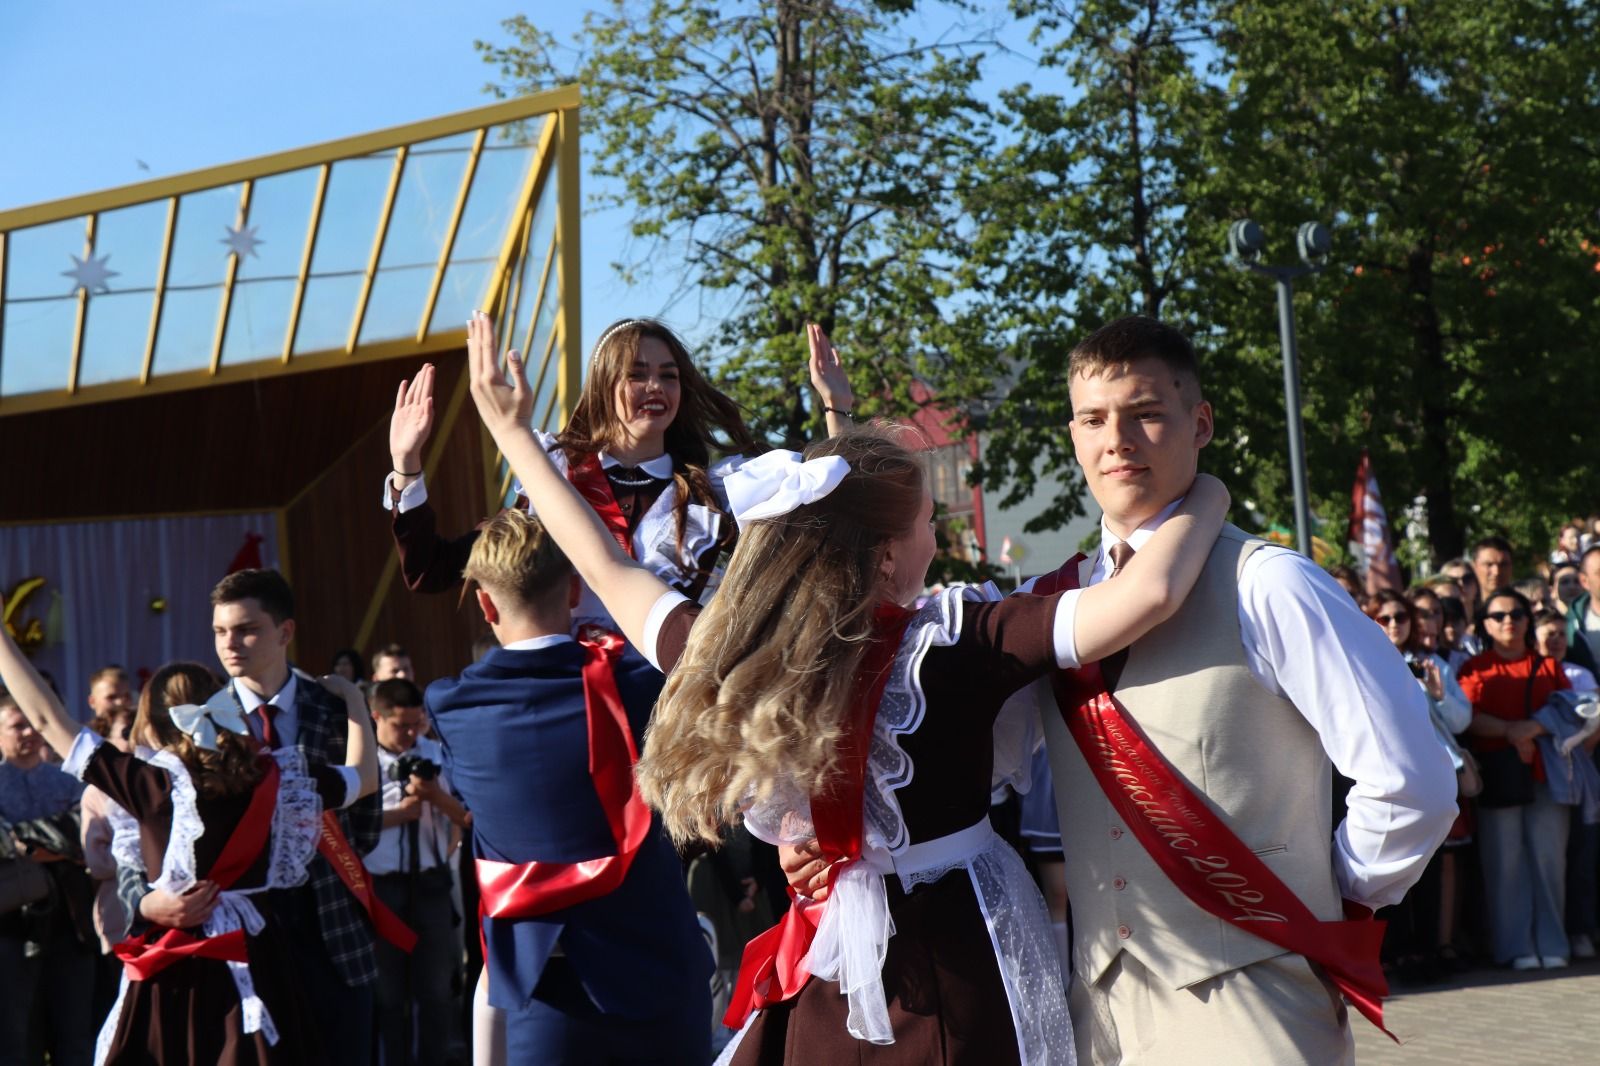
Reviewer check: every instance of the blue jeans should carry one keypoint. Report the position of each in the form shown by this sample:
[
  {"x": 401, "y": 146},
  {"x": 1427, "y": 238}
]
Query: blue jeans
[{"x": 1524, "y": 852}]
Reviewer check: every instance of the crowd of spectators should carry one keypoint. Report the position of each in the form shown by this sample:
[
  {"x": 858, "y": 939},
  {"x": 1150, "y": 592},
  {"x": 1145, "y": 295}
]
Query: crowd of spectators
[{"x": 1508, "y": 662}]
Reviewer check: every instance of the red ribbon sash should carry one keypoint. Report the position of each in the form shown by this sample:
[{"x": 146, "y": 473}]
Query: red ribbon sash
[
  {"x": 589, "y": 478},
  {"x": 1201, "y": 855},
  {"x": 143, "y": 956},
  {"x": 529, "y": 889},
  {"x": 771, "y": 970},
  {"x": 333, "y": 846}
]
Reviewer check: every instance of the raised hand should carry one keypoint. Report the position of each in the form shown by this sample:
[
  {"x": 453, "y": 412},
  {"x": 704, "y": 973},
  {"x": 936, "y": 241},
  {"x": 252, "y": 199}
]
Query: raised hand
[
  {"x": 412, "y": 421},
  {"x": 503, "y": 404},
  {"x": 827, "y": 370}
]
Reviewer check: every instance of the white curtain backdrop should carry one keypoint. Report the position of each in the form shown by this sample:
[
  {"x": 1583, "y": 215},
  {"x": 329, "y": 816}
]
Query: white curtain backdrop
[{"x": 101, "y": 579}]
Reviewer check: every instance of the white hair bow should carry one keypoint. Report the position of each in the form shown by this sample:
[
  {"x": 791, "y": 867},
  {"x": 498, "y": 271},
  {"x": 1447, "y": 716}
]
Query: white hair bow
[
  {"x": 779, "y": 481},
  {"x": 201, "y": 723}
]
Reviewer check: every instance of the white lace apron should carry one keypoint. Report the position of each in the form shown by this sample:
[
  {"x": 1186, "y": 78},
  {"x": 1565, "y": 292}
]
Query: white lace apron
[
  {"x": 853, "y": 934},
  {"x": 296, "y": 827}
]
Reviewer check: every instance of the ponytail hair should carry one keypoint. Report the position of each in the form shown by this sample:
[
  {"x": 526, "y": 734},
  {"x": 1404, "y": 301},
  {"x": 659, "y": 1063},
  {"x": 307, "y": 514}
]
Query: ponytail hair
[{"x": 762, "y": 695}]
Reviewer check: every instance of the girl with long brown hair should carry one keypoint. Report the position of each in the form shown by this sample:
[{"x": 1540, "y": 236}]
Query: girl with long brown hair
[
  {"x": 211, "y": 814},
  {"x": 642, "y": 446},
  {"x": 810, "y": 699}
]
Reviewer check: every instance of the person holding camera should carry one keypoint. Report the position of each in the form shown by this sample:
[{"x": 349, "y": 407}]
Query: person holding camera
[{"x": 411, "y": 873}]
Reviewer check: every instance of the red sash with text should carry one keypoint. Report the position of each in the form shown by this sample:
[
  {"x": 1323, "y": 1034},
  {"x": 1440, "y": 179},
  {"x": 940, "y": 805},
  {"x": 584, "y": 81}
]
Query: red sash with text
[
  {"x": 333, "y": 846},
  {"x": 146, "y": 955},
  {"x": 589, "y": 478},
  {"x": 530, "y": 889},
  {"x": 1201, "y": 855},
  {"x": 771, "y": 969}
]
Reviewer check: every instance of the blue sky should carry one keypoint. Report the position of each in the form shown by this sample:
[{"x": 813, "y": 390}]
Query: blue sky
[{"x": 89, "y": 89}]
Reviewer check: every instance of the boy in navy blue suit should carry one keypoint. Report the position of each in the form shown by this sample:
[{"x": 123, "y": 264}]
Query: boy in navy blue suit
[{"x": 597, "y": 963}]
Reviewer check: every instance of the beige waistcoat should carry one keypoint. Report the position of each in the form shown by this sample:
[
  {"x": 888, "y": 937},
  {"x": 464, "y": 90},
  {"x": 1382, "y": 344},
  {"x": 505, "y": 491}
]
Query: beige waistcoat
[{"x": 1250, "y": 754}]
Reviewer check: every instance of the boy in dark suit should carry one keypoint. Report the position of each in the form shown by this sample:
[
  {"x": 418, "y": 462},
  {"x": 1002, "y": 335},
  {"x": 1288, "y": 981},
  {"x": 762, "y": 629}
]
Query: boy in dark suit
[{"x": 593, "y": 953}]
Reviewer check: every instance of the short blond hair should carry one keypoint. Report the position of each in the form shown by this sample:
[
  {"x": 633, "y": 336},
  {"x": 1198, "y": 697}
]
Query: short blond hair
[{"x": 516, "y": 556}]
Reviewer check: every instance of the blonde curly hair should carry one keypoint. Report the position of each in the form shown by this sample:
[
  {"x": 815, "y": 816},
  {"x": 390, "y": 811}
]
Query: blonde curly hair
[{"x": 761, "y": 697}]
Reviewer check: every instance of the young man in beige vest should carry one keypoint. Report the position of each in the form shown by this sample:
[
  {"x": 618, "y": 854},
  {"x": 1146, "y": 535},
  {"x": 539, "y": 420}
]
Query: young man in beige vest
[{"x": 1266, "y": 675}]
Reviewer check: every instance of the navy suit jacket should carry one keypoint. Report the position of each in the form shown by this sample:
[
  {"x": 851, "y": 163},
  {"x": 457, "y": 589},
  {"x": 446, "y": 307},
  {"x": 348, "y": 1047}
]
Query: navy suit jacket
[{"x": 515, "y": 734}]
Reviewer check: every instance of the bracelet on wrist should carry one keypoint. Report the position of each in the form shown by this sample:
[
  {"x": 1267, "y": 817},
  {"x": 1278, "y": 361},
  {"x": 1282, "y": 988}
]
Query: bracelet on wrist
[
  {"x": 840, "y": 411},
  {"x": 405, "y": 473}
]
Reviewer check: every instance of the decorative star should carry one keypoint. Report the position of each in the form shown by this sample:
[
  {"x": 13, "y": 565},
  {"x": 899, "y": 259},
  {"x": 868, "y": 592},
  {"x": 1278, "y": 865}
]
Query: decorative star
[
  {"x": 242, "y": 241},
  {"x": 90, "y": 274}
]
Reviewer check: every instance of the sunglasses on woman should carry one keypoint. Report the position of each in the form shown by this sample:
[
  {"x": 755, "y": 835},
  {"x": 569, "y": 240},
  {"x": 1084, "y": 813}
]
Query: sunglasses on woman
[
  {"x": 1500, "y": 616},
  {"x": 1392, "y": 619}
]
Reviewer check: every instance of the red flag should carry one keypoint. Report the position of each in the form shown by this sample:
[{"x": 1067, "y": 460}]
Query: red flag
[
  {"x": 1369, "y": 531},
  {"x": 249, "y": 554}
]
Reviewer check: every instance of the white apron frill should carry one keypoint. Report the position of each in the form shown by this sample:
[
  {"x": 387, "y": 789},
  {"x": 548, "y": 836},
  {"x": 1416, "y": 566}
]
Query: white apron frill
[{"x": 854, "y": 929}]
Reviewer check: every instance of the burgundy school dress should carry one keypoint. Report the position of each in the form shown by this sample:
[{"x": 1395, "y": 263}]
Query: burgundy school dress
[
  {"x": 192, "y": 1011},
  {"x": 970, "y": 974}
]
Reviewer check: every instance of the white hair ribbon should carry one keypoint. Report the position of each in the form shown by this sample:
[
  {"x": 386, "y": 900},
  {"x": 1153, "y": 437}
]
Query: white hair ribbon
[
  {"x": 777, "y": 482},
  {"x": 201, "y": 723}
]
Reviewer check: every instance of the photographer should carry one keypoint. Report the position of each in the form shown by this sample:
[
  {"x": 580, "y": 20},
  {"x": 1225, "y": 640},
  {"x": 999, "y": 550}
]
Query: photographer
[{"x": 410, "y": 871}]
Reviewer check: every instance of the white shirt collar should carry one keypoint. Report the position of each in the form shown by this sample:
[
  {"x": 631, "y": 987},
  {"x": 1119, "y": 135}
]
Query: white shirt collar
[
  {"x": 282, "y": 699},
  {"x": 549, "y": 640},
  {"x": 659, "y": 467},
  {"x": 1141, "y": 536}
]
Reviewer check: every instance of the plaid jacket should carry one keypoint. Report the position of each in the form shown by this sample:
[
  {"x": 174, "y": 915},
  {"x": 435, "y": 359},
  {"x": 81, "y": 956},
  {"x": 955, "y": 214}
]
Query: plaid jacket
[{"x": 346, "y": 932}]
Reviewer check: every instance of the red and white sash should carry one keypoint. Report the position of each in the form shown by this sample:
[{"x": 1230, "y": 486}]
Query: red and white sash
[{"x": 1195, "y": 849}]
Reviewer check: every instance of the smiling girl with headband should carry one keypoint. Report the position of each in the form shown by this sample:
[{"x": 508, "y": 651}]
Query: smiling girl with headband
[
  {"x": 218, "y": 822},
  {"x": 639, "y": 447},
  {"x": 812, "y": 700}
]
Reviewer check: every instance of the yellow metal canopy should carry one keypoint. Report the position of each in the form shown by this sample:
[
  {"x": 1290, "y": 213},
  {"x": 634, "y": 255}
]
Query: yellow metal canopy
[{"x": 372, "y": 247}]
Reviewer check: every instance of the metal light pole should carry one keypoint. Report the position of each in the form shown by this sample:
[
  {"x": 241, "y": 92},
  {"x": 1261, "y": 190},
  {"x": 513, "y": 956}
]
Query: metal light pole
[{"x": 1245, "y": 244}]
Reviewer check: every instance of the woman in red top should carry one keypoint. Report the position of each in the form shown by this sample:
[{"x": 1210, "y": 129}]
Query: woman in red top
[{"x": 1524, "y": 846}]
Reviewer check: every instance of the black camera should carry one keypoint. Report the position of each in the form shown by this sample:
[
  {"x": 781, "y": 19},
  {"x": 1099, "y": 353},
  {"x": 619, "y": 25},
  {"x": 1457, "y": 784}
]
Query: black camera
[
  {"x": 1415, "y": 666},
  {"x": 412, "y": 765}
]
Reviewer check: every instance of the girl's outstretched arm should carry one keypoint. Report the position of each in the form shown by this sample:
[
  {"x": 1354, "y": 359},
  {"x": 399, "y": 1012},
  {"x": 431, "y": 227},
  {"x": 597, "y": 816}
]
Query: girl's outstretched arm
[
  {"x": 829, "y": 379},
  {"x": 37, "y": 702},
  {"x": 1154, "y": 584},
  {"x": 361, "y": 747},
  {"x": 627, "y": 589}
]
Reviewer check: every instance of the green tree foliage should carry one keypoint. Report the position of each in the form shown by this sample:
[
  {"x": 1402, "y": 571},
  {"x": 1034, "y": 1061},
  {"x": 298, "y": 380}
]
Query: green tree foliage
[
  {"x": 1453, "y": 146},
  {"x": 808, "y": 157}
]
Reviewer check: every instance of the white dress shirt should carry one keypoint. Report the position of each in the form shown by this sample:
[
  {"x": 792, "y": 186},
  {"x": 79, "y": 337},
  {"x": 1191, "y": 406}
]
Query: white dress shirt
[
  {"x": 1305, "y": 640},
  {"x": 392, "y": 855},
  {"x": 286, "y": 726}
]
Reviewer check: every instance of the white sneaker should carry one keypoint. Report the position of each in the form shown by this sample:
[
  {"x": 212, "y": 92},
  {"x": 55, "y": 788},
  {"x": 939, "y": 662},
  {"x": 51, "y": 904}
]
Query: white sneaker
[
  {"x": 1582, "y": 947},
  {"x": 1525, "y": 962},
  {"x": 1553, "y": 962}
]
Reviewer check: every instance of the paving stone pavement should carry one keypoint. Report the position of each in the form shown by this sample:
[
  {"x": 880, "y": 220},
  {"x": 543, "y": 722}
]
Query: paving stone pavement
[{"x": 1541, "y": 1018}]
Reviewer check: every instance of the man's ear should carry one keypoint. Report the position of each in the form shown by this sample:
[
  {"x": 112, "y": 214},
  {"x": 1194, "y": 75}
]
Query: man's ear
[
  {"x": 1204, "y": 427},
  {"x": 575, "y": 592},
  {"x": 491, "y": 613},
  {"x": 286, "y": 632}
]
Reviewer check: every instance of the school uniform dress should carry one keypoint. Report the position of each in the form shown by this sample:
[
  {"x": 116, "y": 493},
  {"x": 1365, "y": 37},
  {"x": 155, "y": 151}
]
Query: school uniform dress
[
  {"x": 683, "y": 549},
  {"x": 969, "y": 972},
  {"x": 204, "y": 1010},
  {"x": 624, "y": 976}
]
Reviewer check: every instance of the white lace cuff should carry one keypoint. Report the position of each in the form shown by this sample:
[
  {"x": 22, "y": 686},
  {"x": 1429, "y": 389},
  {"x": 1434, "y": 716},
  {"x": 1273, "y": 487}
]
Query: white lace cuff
[
  {"x": 1063, "y": 637},
  {"x": 655, "y": 620},
  {"x": 412, "y": 496},
  {"x": 82, "y": 748}
]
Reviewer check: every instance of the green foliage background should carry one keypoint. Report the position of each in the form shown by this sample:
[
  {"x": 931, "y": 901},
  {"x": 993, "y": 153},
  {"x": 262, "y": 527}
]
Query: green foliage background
[{"x": 821, "y": 163}]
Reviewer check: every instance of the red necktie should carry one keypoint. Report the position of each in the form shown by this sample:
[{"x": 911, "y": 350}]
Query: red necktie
[{"x": 269, "y": 736}]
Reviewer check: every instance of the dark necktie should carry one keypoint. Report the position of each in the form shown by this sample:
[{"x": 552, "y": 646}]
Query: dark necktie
[
  {"x": 269, "y": 735},
  {"x": 1111, "y": 666}
]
